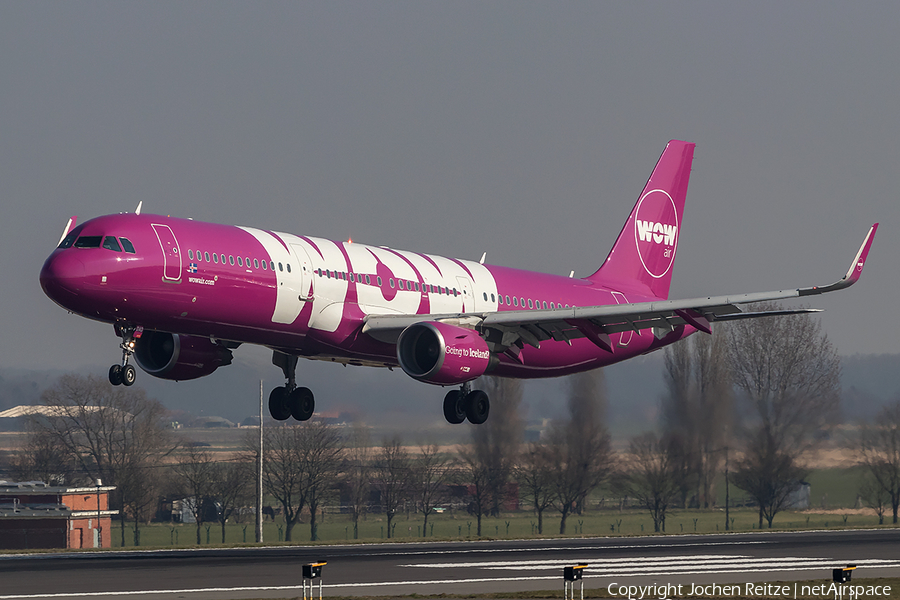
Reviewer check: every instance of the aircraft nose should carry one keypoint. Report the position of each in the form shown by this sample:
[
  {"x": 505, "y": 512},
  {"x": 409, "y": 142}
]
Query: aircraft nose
[{"x": 62, "y": 276}]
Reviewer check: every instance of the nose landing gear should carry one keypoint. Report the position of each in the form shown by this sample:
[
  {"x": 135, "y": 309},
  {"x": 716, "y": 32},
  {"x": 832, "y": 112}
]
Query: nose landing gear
[
  {"x": 289, "y": 400},
  {"x": 125, "y": 374},
  {"x": 466, "y": 403}
]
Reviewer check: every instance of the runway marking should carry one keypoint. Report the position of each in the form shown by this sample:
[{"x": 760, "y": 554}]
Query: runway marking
[
  {"x": 655, "y": 566},
  {"x": 647, "y": 564}
]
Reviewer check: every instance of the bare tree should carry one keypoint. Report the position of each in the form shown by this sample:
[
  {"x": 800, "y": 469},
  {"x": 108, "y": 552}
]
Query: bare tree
[
  {"x": 195, "y": 470},
  {"x": 651, "y": 475},
  {"x": 230, "y": 487},
  {"x": 769, "y": 475},
  {"x": 44, "y": 458},
  {"x": 880, "y": 457},
  {"x": 497, "y": 441},
  {"x": 392, "y": 478},
  {"x": 697, "y": 410},
  {"x": 283, "y": 473},
  {"x": 108, "y": 433},
  {"x": 788, "y": 375},
  {"x": 474, "y": 473},
  {"x": 534, "y": 473},
  {"x": 320, "y": 456},
  {"x": 141, "y": 487},
  {"x": 874, "y": 496},
  {"x": 302, "y": 463},
  {"x": 358, "y": 475},
  {"x": 579, "y": 447},
  {"x": 431, "y": 472}
]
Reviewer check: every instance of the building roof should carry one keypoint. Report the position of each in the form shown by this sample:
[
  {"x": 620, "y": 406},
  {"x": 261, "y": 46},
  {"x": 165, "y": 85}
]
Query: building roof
[
  {"x": 39, "y": 488},
  {"x": 50, "y": 411}
]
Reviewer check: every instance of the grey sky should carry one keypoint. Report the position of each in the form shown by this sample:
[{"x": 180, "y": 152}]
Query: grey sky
[{"x": 522, "y": 129}]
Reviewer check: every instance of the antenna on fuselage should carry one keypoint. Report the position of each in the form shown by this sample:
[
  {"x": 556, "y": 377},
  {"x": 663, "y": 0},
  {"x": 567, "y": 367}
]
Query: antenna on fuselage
[
  {"x": 137, "y": 211},
  {"x": 571, "y": 274},
  {"x": 483, "y": 256}
]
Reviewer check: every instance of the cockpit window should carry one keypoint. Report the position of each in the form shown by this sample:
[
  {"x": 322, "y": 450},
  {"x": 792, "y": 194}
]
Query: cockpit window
[
  {"x": 68, "y": 240},
  {"x": 126, "y": 243},
  {"x": 110, "y": 243},
  {"x": 88, "y": 241}
]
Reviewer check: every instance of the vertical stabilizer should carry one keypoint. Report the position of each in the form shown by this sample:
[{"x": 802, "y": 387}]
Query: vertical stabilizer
[{"x": 641, "y": 260}]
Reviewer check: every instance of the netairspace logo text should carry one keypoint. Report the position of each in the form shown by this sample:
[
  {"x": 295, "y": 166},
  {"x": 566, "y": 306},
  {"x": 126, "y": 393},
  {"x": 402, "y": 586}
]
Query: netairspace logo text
[{"x": 665, "y": 591}]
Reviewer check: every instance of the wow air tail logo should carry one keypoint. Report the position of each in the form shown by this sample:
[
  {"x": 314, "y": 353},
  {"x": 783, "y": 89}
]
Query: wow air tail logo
[{"x": 656, "y": 232}]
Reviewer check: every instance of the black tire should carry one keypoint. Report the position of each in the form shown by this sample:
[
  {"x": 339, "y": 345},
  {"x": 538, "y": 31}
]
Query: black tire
[
  {"x": 278, "y": 404},
  {"x": 477, "y": 407},
  {"x": 454, "y": 407},
  {"x": 129, "y": 374},
  {"x": 115, "y": 374},
  {"x": 302, "y": 403}
]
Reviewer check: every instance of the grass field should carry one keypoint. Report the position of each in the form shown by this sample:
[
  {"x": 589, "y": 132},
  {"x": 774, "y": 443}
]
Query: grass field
[{"x": 338, "y": 528}]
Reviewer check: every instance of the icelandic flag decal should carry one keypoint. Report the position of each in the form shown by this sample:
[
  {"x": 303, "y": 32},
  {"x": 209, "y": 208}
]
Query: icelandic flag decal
[{"x": 192, "y": 268}]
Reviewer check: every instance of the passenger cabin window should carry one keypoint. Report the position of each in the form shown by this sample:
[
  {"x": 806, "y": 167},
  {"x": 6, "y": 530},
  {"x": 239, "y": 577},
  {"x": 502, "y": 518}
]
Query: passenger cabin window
[
  {"x": 68, "y": 240},
  {"x": 289, "y": 267},
  {"x": 216, "y": 258},
  {"x": 378, "y": 279},
  {"x": 256, "y": 264},
  {"x": 88, "y": 241},
  {"x": 240, "y": 262},
  {"x": 272, "y": 264},
  {"x": 485, "y": 296},
  {"x": 265, "y": 266},
  {"x": 190, "y": 254},
  {"x": 231, "y": 260},
  {"x": 110, "y": 243},
  {"x": 368, "y": 281}
]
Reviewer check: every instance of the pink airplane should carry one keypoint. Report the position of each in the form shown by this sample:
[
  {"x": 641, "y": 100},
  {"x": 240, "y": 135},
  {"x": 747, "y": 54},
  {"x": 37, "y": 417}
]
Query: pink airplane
[{"x": 183, "y": 294}]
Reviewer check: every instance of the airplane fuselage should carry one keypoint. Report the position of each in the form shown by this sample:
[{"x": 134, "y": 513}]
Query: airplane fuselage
[{"x": 308, "y": 296}]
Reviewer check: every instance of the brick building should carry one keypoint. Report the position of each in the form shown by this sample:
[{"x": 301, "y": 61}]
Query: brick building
[{"x": 36, "y": 515}]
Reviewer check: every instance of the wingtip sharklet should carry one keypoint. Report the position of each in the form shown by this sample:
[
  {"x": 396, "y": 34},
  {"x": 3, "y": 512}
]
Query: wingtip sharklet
[{"x": 853, "y": 274}]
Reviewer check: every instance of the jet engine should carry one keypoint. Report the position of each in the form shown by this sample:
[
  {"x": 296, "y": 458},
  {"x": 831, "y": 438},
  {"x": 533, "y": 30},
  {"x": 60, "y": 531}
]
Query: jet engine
[
  {"x": 179, "y": 357},
  {"x": 442, "y": 354}
]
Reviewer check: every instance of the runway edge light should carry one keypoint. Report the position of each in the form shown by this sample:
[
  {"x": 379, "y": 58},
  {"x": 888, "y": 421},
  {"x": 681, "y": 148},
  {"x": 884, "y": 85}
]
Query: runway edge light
[
  {"x": 312, "y": 571},
  {"x": 573, "y": 574},
  {"x": 842, "y": 575}
]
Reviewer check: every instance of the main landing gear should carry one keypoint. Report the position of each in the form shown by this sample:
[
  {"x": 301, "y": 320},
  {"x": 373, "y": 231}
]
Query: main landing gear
[
  {"x": 289, "y": 400},
  {"x": 465, "y": 403},
  {"x": 124, "y": 374}
]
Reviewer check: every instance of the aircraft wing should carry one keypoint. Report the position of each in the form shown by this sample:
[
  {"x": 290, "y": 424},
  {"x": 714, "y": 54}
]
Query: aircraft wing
[{"x": 507, "y": 329}]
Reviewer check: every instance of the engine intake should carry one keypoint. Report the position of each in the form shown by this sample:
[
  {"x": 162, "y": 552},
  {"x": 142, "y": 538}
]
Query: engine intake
[
  {"x": 179, "y": 357},
  {"x": 442, "y": 354}
]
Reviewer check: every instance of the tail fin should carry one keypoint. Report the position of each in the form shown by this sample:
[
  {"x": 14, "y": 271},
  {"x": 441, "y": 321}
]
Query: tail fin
[{"x": 641, "y": 259}]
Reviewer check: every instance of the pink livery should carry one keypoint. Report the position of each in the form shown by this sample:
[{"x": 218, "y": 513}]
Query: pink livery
[{"x": 183, "y": 294}]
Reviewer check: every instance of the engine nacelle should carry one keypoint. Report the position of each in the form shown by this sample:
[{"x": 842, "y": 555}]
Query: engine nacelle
[
  {"x": 179, "y": 357},
  {"x": 442, "y": 354}
]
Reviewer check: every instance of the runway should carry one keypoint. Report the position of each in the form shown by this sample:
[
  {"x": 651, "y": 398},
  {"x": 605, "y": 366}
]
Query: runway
[{"x": 450, "y": 567}]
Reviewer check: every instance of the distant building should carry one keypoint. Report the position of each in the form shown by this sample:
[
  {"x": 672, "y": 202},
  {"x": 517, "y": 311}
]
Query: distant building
[
  {"x": 211, "y": 423},
  {"x": 34, "y": 514},
  {"x": 14, "y": 419}
]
